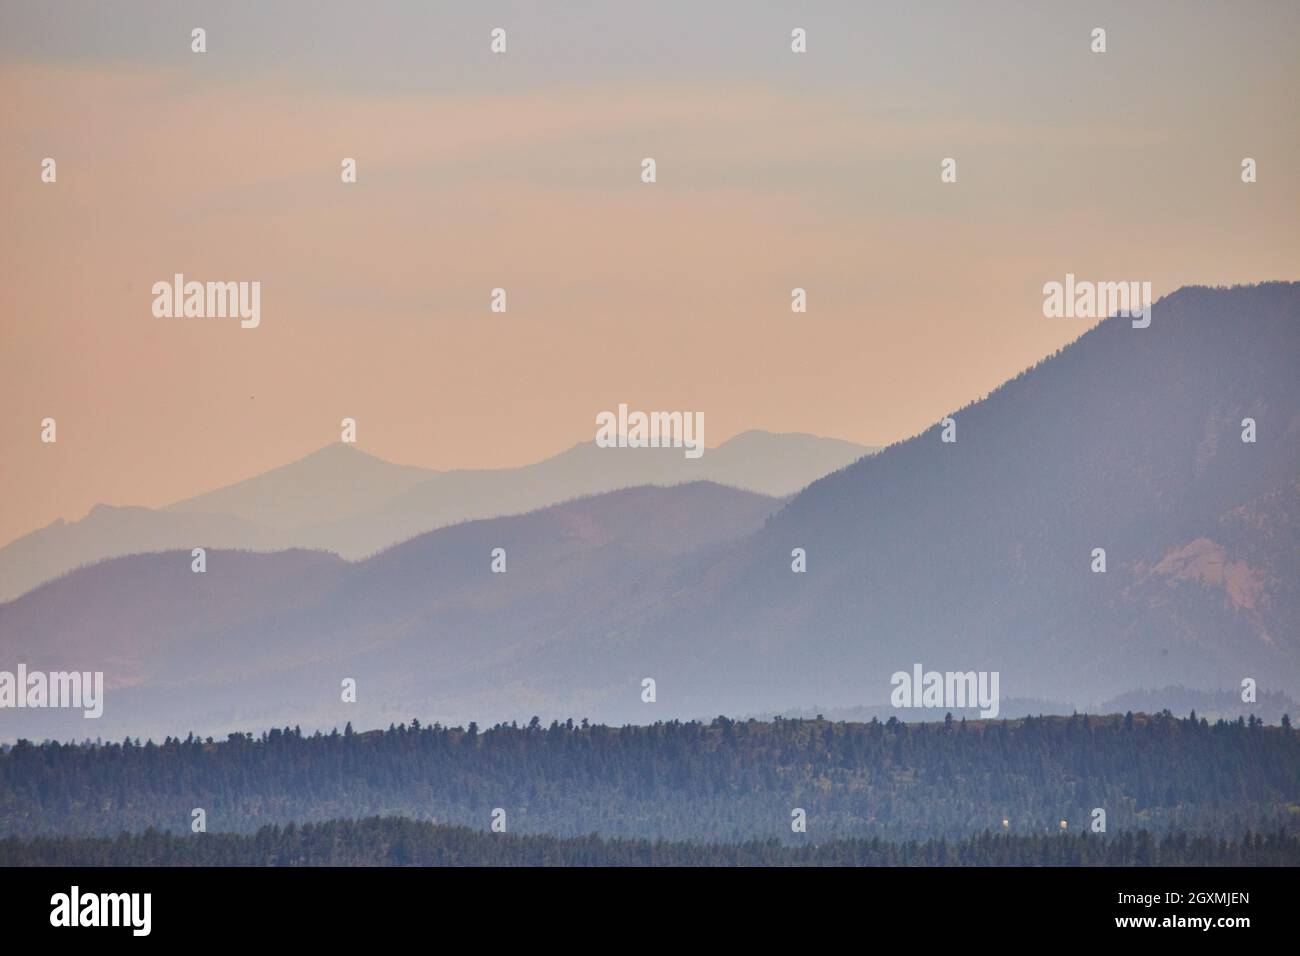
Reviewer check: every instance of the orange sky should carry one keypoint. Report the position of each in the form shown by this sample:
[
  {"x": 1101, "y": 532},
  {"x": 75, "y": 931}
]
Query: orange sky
[{"x": 922, "y": 296}]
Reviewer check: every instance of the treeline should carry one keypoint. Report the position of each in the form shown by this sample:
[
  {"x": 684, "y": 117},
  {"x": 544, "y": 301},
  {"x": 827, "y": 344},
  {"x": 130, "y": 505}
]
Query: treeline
[
  {"x": 393, "y": 841},
  {"x": 725, "y": 781}
]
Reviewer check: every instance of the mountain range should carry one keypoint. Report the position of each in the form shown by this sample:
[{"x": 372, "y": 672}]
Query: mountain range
[
  {"x": 343, "y": 500},
  {"x": 974, "y": 554}
]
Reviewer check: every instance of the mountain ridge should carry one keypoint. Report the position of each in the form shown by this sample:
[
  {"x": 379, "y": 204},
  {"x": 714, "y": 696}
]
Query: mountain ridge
[
  {"x": 355, "y": 504},
  {"x": 973, "y": 555}
]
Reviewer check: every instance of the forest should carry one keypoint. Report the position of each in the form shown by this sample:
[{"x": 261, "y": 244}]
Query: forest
[
  {"x": 725, "y": 781},
  {"x": 394, "y": 841}
]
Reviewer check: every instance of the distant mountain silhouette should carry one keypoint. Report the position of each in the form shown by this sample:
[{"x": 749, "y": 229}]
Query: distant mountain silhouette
[
  {"x": 343, "y": 500},
  {"x": 261, "y": 637},
  {"x": 973, "y": 555},
  {"x": 335, "y": 482},
  {"x": 763, "y": 462}
]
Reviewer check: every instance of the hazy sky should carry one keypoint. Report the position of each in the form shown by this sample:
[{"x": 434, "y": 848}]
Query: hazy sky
[{"x": 775, "y": 170}]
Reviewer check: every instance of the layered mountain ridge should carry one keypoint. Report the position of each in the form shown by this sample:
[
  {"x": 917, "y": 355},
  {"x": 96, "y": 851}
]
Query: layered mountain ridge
[{"x": 978, "y": 554}]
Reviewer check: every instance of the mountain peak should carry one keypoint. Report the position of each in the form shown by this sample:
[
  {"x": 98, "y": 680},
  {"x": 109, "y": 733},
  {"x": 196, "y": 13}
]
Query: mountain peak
[{"x": 331, "y": 483}]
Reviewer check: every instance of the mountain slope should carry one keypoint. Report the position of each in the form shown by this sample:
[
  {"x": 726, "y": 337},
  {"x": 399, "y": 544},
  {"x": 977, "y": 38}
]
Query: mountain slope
[
  {"x": 762, "y": 462},
  {"x": 109, "y": 531},
  {"x": 335, "y": 481},
  {"x": 343, "y": 500},
  {"x": 973, "y": 555},
  {"x": 263, "y": 638},
  {"x": 977, "y": 554}
]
